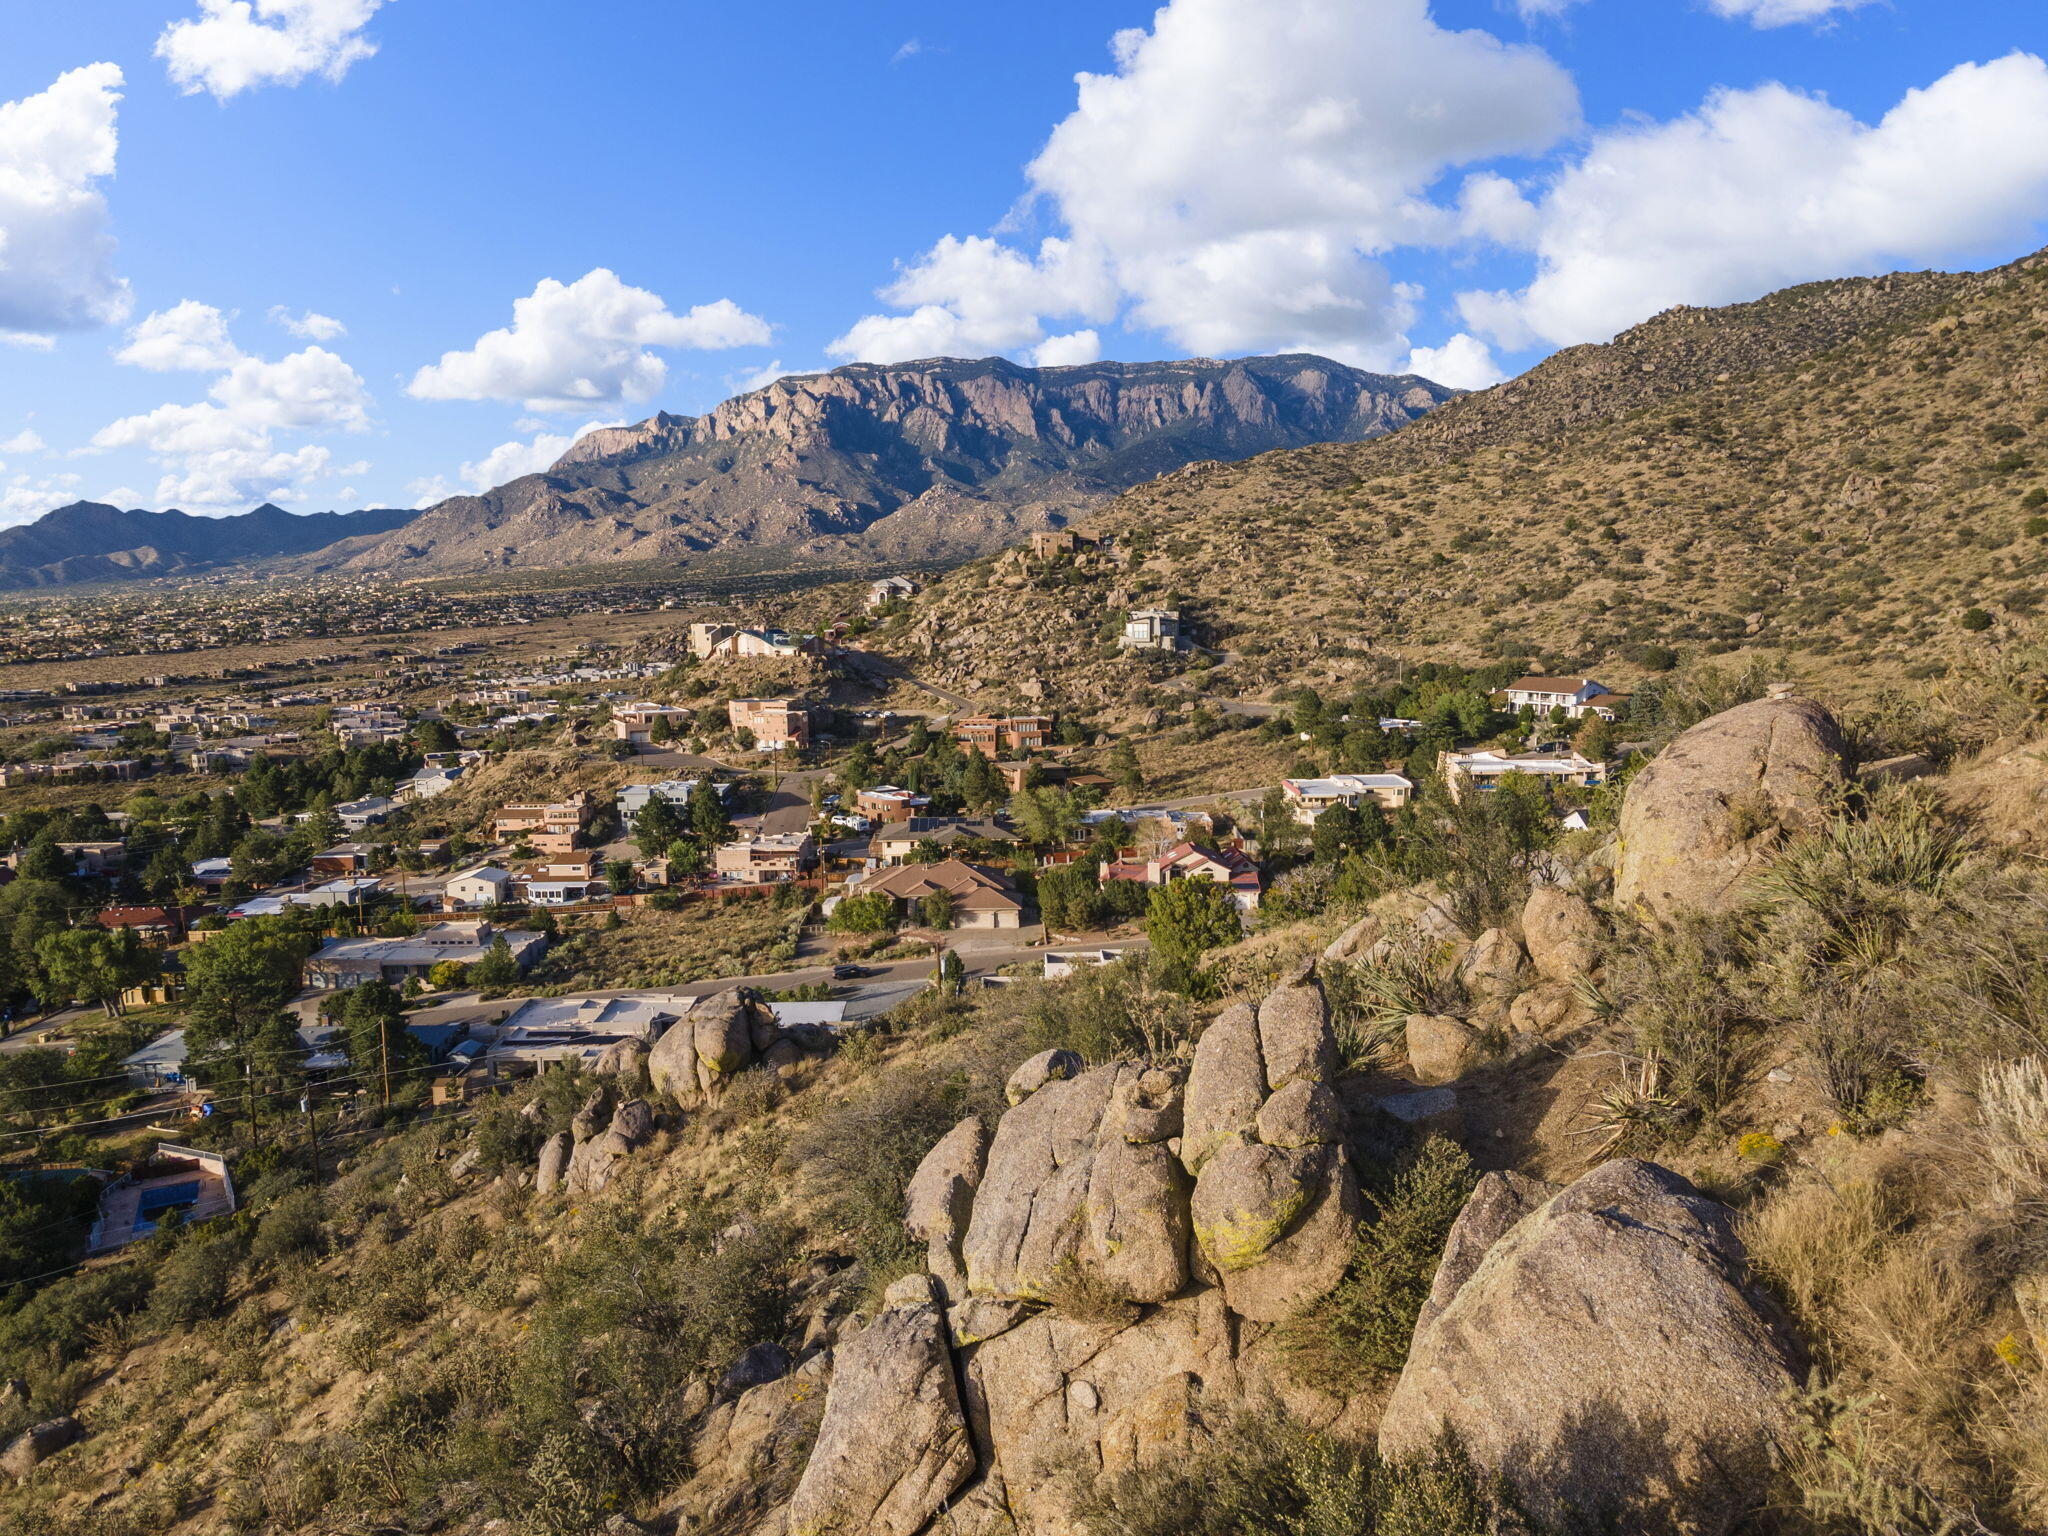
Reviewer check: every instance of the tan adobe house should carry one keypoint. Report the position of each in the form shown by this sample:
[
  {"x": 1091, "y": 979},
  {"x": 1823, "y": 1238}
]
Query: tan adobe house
[{"x": 982, "y": 898}]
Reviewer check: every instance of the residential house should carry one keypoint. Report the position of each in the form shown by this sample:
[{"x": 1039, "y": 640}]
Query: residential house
[
  {"x": 885, "y": 802},
  {"x": 1049, "y": 542},
  {"x": 635, "y": 798},
  {"x": 563, "y": 880},
  {"x": 1152, "y": 629},
  {"x": 1309, "y": 798},
  {"x": 982, "y": 898},
  {"x": 552, "y": 826},
  {"x": 635, "y": 722},
  {"x": 341, "y": 859},
  {"x": 729, "y": 640},
  {"x": 484, "y": 886},
  {"x": 355, "y": 815},
  {"x": 1576, "y": 696},
  {"x": 778, "y": 725},
  {"x": 1483, "y": 770},
  {"x": 891, "y": 589},
  {"x": 1228, "y": 866},
  {"x": 97, "y": 859},
  {"x": 155, "y": 926},
  {"x": 765, "y": 859},
  {"x": 894, "y": 842},
  {"x": 349, "y": 891},
  {"x": 548, "y": 1031},
  {"x": 351, "y": 962},
  {"x": 997, "y": 737}
]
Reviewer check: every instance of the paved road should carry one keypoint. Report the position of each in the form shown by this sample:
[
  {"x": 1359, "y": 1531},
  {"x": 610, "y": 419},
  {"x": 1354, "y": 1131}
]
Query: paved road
[
  {"x": 789, "y": 804},
  {"x": 35, "y": 1032},
  {"x": 896, "y": 670}
]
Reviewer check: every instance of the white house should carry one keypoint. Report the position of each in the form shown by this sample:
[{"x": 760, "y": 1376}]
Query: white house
[
  {"x": 1309, "y": 798},
  {"x": 1576, "y": 696},
  {"x": 358, "y": 814},
  {"x": 1483, "y": 770},
  {"x": 890, "y": 589}
]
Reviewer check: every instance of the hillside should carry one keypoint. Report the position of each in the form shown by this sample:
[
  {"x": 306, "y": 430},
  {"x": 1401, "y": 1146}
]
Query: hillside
[
  {"x": 920, "y": 460},
  {"x": 1840, "y": 469},
  {"x": 90, "y": 541}
]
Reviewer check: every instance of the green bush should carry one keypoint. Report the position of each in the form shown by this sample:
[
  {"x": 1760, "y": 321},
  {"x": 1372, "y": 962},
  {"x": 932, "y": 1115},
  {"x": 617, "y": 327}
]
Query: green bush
[
  {"x": 295, "y": 1227},
  {"x": 1363, "y": 1328},
  {"x": 192, "y": 1284},
  {"x": 1976, "y": 620}
]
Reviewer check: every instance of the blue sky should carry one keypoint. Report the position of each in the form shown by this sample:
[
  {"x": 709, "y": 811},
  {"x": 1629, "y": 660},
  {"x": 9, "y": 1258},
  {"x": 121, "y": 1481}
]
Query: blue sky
[{"x": 259, "y": 249}]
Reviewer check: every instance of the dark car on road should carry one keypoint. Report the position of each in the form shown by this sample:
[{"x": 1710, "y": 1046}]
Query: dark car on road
[{"x": 850, "y": 972}]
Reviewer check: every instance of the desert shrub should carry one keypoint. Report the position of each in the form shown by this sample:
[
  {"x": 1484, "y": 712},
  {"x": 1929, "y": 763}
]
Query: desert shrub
[
  {"x": 2012, "y": 1130},
  {"x": 1260, "y": 1473},
  {"x": 64, "y": 1315},
  {"x": 1364, "y": 1327},
  {"x": 1684, "y": 998},
  {"x": 192, "y": 1283},
  {"x": 294, "y": 1227},
  {"x": 1108, "y": 1012}
]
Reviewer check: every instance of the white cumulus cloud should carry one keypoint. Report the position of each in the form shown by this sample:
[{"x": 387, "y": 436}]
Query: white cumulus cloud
[
  {"x": 26, "y": 498},
  {"x": 25, "y": 441},
  {"x": 1463, "y": 362},
  {"x": 1234, "y": 179},
  {"x": 1084, "y": 346},
  {"x": 56, "y": 254},
  {"x": 506, "y": 462},
  {"x": 233, "y": 46},
  {"x": 1766, "y": 187},
  {"x": 577, "y": 344},
  {"x": 311, "y": 326},
  {"x": 187, "y": 336},
  {"x": 223, "y": 451}
]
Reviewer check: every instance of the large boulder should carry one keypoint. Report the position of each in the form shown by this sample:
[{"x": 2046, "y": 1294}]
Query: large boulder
[
  {"x": 1226, "y": 1086},
  {"x": 554, "y": 1163},
  {"x": 1491, "y": 973},
  {"x": 1712, "y": 806},
  {"x": 1607, "y": 1353},
  {"x": 1064, "y": 1188},
  {"x": 1295, "y": 1041},
  {"x": 893, "y": 1445},
  {"x": 940, "y": 1197},
  {"x": 722, "y": 1031},
  {"x": 36, "y": 1444},
  {"x": 1053, "y": 1066},
  {"x": 1441, "y": 1049},
  {"x": 1562, "y": 933},
  {"x": 592, "y": 1161}
]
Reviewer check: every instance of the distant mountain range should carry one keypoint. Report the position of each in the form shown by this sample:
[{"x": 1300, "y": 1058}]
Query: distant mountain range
[
  {"x": 936, "y": 459},
  {"x": 90, "y": 541}
]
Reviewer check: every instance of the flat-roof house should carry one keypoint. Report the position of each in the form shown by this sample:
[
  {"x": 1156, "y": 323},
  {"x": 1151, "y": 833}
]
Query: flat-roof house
[
  {"x": 1152, "y": 629},
  {"x": 635, "y": 798},
  {"x": 1483, "y": 770},
  {"x": 546, "y": 1031},
  {"x": 1228, "y": 866},
  {"x": 764, "y": 859},
  {"x": 351, "y": 962},
  {"x": 982, "y": 898},
  {"x": 998, "y": 736},
  {"x": 552, "y": 826},
  {"x": 1048, "y": 542},
  {"x": 885, "y": 802},
  {"x": 1309, "y": 798},
  {"x": 779, "y": 725},
  {"x": 635, "y": 722}
]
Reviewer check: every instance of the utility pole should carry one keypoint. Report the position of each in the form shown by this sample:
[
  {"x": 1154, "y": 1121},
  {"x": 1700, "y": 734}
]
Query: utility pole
[
  {"x": 312, "y": 1132},
  {"x": 384, "y": 1040}
]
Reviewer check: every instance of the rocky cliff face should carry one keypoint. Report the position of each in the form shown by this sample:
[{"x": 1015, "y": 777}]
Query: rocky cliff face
[{"x": 940, "y": 458}]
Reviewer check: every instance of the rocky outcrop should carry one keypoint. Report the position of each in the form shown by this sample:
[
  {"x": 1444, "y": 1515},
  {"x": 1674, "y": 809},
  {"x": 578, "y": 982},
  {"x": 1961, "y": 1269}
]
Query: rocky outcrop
[
  {"x": 1124, "y": 1239},
  {"x": 1441, "y": 1049},
  {"x": 555, "y": 1153},
  {"x": 1562, "y": 932},
  {"x": 893, "y": 1445},
  {"x": 36, "y": 1444},
  {"x": 593, "y": 1158},
  {"x": 1606, "y": 1351},
  {"x": 1713, "y": 805},
  {"x": 723, "y": 1034}
]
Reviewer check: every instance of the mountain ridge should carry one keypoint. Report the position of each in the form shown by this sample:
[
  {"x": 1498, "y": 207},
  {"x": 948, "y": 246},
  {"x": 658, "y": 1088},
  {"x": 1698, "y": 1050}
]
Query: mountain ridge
[
  {"x": 942, "y": 457},
  {"x": 89, "y": 541}
]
